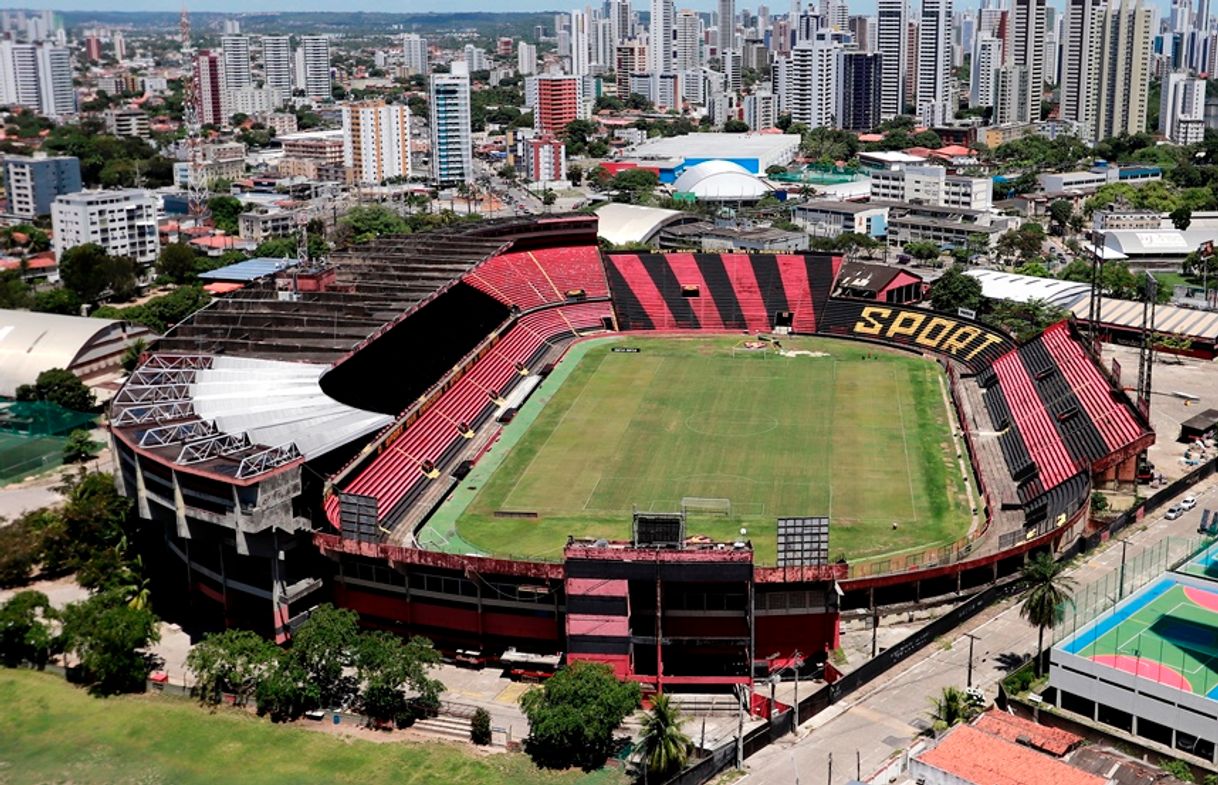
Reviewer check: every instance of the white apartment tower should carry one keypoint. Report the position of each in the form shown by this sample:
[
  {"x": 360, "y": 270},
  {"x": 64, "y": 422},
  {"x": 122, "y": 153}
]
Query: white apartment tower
[
  {"x": 376, "y": 140},
  {"x": 526, "y": 59},
  {"x": 1106, "y": 55},
  {"x": 313, "y": 66},
  {"x": 1182, "y": 108},
  {"x": 983, "y": 70},
  {"x": 892, "y": 44},
  {"x": 727, "y": 25},
  {"x": 811, "y": 90},
  {"x": 414, "y": 54},
  {"x": 452, "y": 152},
  {"x": 277, "y": 62},
  {"x": 235, "y": 72},
  {"x": 1025, "y": 48},
  {"x": 935, "y": 63},
  {"x": 659, "y": 50},
  {"x": 688, "y": 46},
  {"x": 37, "y": 77}
]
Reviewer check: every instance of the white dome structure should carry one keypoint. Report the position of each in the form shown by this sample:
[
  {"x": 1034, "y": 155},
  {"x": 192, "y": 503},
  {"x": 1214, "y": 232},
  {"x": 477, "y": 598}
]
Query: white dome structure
[{"x": 721, "y": 181}]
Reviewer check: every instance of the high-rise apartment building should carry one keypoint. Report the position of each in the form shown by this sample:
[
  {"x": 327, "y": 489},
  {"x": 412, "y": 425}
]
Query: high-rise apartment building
[
  {"x": 1025, "y": 48},
  {"x": 526, "y": 59},
  {"x": 935, "y": 99},
  {"x": 1106, "y": 56},
  {"x": 210, "y": 107},
  {"x": 236, "y": 73},
  {"x": 810, "y": 92},
  {"x": 688, "y": 45},
  {"x": 891, "y": 41},
  {"x": 631, "y": 59},
  {"x": 727, "y": 26},
  {"x": 452, "y": 152},
  {"x": 621, "y": 21},
  {"x": 859, "y": 77},
  {"x": 1181, "y": 108},
  {"x": 277, "y": 62},
  {"x": 660, "y": 41},
  {"x": 983, "y": 70},
  {"x": 123, "y": 222},
  {"x": 376, "y": 140},
  {"x": 556, "y": 100},
  {"x": 760, "y": 110},
  {"x": 414, "y": 54},
  {"x": 313, "y": 66},
  {"x": 32, "y": 183},
  {"x": 581, "y": 44},
  {"x": 38, "y": 77}
]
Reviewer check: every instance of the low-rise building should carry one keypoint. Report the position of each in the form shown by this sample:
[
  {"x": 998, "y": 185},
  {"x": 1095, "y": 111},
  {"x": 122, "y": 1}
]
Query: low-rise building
[
  {"x": 279, "y": 122},
  {"x": 947, "y": 227},
  {"x": 128, "y": 122},
  {"x": 826, "y": 218},
  {"x": 263, "y": 223},
  {"x": 544, "y": 159},
  {"x": 931, "y": 185},
  {"x": 1116, "y": 219},
  {"x": 1099, "y": 175}
]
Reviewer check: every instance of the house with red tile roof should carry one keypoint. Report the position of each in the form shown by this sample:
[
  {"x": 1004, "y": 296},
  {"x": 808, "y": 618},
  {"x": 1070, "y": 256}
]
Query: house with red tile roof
[{"x": 968, "y": 756}]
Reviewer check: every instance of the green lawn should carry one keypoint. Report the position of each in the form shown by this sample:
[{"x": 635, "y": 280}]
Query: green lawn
[
  {"x": 51, "y": 731},
  {"x": 866, "y": 441}
]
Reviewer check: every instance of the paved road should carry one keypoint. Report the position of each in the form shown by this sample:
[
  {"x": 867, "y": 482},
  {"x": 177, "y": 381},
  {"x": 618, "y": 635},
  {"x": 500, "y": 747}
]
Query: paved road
[
  {"x": 15, "y": 501},
  {"x": 883, "y": 718}
]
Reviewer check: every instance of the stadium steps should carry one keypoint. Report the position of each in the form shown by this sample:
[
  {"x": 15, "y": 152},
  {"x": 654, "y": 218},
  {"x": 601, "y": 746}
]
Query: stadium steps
[
  {"x": 739, "y": 269},
  {"x": 719, "y": 287},
  {"x": 685, "y": 270},
  {"x": 794, "y": 274},
  {"x": 665, "y": 280},
  {"x": 456, "y": 728},
  {"x": 769, "y": 284}
]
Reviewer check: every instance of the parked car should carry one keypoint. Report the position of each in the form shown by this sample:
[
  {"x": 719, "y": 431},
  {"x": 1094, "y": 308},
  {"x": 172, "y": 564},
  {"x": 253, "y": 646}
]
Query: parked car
[
  {"x": 1175, "y": 512},
  {"x": 1188, "y": 502}
]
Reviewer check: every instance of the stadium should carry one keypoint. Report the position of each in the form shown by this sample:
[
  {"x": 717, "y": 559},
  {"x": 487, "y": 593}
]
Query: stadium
[{"x": 685, "y": 465}]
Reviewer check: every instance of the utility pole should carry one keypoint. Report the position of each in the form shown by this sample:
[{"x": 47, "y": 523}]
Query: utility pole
[
  {"x": 830, "y": 780},
  {"x": 858, "y": 765},
  {"x": 740, "y": 727},
  {"x": 796, "y": 660},
  {"x": 1121, "y": 584},
  {"x": 971, "y": 638}
]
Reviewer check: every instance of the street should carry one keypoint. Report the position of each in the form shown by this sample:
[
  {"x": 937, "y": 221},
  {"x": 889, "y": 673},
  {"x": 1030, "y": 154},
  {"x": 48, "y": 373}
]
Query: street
[{"x": 883, "y": 718}]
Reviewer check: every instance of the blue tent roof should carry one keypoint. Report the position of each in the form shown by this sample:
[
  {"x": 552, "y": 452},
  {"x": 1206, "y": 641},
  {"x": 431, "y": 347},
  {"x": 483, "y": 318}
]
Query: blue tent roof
[{"x": 249, "y": 270}]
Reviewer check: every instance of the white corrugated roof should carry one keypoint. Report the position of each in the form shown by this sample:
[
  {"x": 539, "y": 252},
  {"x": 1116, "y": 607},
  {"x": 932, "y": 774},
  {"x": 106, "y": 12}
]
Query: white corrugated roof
[
  {"x": 1169, "y": 319},
  {"x": 999, "y": 285},
  {"x": 32, "y": 342},
  {"x": 278, "y": 403},
  {"x": 631, "y": 223}
]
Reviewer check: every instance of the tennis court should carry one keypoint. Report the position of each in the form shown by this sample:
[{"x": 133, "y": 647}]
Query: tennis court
[
  {"x": 1204, "y": 564},
  {"x": 1167, "y": 633}
]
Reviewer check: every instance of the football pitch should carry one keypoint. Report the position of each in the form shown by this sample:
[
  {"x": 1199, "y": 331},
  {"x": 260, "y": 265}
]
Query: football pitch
[
  {"x": 843, "y": 429},
  {"x": 1167, "y": 633}
]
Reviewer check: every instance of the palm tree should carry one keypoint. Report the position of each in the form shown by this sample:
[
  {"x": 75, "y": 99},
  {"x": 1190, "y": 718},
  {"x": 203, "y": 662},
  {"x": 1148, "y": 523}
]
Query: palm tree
[
  {"x": 663, "y": 746},
  {"x": 1047, "y": 591},
  {"x": 952, "y": 707}
]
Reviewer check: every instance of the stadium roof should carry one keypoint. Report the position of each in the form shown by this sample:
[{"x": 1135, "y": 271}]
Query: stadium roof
[
  {"x": 250, "y": 269},
  {"x": 32, "y": 342},
  {"x": 1168, "y": 318},
  {"x": 632, "y": 223},
  {"x": 768, "y": 149},
  {"x": 721, "y": 180},
  {"x": 999, "y": 285}
]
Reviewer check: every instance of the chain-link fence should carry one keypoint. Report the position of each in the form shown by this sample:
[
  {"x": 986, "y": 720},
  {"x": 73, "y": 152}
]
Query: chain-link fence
[
  {"x": 33, "y": 434},
  {"x": 1140, "y": 566}
]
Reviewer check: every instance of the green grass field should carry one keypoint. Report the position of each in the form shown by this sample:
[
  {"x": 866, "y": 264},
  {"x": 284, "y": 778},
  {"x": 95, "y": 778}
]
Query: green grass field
[
  {"x": 866, "y": 441},
  {"x": 51, "y": 731}
]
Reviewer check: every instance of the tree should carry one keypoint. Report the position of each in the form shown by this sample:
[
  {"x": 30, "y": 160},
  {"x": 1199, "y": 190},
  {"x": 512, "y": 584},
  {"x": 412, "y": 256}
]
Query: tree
[
  {"x": 634, "y": 186},
  {"x": 1181, "y": 217},
  {"x": 60, "y": 387},
  {"x": 61, "y": 301},
  {"x": 324, "y": 647},
  {"x": 90, "y": 527},
  {"x": 923, "y": 250},
  {"x": 89, "y": 272},
  {"x": 78, "y": 447},
  {"x": 663, "y": 747},
  {"x": 224, "y": 211},
  {"x": 387, "y": 668},
  {"x": 480, "y": 727},
  {"x": 928, "y": 139},
  {"x": 548, "y": 197},
  {"x": 108, "y": 637},
  {"x": 14, "y": 294},
  {"x": 576, "y": 134},
  {"x": 25, "y": 629},
  {"x": 573, "y": 716},
  {"x": 176, "y": 262},
  {"x": 734, "y": 126},
  {"x": 1035, "y": 269},
  {"x": 20, "y": 548},
  {"x": 1027, "y": 242},
  {"x": 233, "y": 661},
  {"x": 952, "y": 707},
  {"x": 133, "y": 353},
  {"x": 368, "y": 222},
  {"x": 285, "y": 692},
  {"x": 1047, "y": 590},
  {"x": 955, "y": 290},
  {"x": 1060, "y": 211}
]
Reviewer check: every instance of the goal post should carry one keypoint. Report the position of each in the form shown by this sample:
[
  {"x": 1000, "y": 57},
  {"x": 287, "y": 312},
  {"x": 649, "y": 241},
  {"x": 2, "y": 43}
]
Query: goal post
[{"x": 705, "y": 505}]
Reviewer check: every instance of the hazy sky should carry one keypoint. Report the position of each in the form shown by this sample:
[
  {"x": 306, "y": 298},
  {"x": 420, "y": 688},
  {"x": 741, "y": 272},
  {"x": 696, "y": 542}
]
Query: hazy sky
[{"x": 423, "y": 6}]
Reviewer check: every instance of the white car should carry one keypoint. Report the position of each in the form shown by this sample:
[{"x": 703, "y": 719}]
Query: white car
[{"x": 1188, "y": 502}]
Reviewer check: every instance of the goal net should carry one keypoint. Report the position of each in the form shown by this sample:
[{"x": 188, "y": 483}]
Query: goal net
[{"x": 703, "y": 505}]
